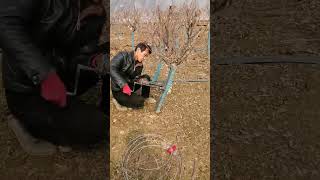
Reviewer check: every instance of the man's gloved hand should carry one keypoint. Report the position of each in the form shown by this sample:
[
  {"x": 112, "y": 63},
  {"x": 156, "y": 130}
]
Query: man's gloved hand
[
  {"x": 53, "y": 90},
  {"x": 126, "y": 89}
]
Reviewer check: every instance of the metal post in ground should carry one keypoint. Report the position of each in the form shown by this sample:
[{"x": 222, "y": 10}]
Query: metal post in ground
[
  {"x": 168, "y": 85},
  {"x": 157, "y": 73}
]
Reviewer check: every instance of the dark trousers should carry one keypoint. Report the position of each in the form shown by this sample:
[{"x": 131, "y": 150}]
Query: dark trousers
[
  {"x": 136, "y": 99},
  {"x": 77, "y": 124}
]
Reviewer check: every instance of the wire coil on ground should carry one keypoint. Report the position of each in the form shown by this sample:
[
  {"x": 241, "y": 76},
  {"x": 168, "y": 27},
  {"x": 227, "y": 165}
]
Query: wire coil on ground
[{"x": 147, "y": 158}]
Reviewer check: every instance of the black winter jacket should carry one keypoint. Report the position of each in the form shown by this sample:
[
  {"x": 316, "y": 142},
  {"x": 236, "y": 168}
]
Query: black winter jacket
[
  {"x": 35, "y": 35},
  {"x": 124, "y": 69}
]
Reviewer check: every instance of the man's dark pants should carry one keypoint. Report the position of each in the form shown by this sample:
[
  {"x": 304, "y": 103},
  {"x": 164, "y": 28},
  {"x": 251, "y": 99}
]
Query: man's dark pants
[
  {"x": 136, "y": 99},
  {"x": 77, "y": 124}
]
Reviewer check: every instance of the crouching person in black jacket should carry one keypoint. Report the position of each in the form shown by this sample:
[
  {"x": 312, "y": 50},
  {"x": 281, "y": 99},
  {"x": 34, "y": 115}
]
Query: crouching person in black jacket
[
  {"x": 125, "y": 70},
  {"x": 43, "y": 43}
]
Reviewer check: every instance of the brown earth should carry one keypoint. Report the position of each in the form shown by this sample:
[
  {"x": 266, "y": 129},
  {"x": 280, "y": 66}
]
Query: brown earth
[{"x": 266, "y": 122}]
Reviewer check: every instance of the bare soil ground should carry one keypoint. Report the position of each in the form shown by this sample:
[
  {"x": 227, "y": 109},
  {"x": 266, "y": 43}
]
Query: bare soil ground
[
  {"x": 266, "y": 116},
  {"x": 184, "y": 118}
]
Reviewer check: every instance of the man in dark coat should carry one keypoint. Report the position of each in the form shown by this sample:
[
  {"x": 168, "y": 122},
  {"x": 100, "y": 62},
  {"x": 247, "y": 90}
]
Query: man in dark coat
[
  {"x": 125, "y": 70},
  {"x": 43, "y": 43}
]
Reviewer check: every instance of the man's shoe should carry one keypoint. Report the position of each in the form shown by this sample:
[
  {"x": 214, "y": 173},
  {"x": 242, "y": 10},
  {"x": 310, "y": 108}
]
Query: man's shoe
[
  {"x": 118, "y": 106},
  {"x": 150, "y": 100},
  {"x": 28, "y": 143}
]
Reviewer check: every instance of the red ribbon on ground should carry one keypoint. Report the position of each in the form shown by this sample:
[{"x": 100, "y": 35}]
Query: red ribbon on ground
[{"x": 172, "y": 149}]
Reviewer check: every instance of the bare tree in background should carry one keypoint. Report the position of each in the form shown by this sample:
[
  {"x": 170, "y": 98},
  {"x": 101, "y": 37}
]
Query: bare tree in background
[
  {"x": 175, "y": 32},
  {"x": 207, "y": 15},
  {"x": 114, "y": 18},
  {"x": 130, "y": 16}
]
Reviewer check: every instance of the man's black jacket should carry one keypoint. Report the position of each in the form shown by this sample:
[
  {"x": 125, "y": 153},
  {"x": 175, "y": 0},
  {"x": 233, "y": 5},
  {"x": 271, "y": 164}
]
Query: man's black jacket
[
  {"x": 34, "y": 35},
  {"x": 124, "y": 69}
]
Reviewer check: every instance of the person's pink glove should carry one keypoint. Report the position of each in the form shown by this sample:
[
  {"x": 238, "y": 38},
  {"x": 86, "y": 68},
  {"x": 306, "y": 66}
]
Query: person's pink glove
[
  {"x": 53, "y": 90},
  {"x": 126, "y": 89}
]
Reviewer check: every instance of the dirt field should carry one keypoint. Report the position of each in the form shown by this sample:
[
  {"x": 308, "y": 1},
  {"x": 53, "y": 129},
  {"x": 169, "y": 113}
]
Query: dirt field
[
  {"x": 184, "y": 118},
  {"x": 266, "y": 116}
]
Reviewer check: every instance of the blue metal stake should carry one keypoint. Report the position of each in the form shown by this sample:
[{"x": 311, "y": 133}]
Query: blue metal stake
[
  {"x": 159, "y": 67},
  {"x": 132, "y": 40},
  {"x": 157, "y": 73},
  {"x": 169, "y": 84}
]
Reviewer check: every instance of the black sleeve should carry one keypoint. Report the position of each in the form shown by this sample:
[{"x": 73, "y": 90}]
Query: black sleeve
[
  {"x": 16, "y": 41},
  {"x": 116, "y": 65}
]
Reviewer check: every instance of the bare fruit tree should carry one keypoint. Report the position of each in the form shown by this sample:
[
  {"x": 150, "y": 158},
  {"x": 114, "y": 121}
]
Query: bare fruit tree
[
  {"x": 114, "y": 18},
  {"x": 130, "y": 16},
  {"x": 175, "y": 32}
]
